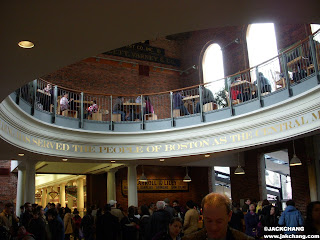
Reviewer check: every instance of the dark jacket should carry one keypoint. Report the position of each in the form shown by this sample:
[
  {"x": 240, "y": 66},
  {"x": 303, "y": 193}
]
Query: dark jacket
[
  {"x": 164, "y": 236},
  {"x": 232, "y": 234},
  {"x": 159, "y": 222},
  {"x": 143, "y": 223},
  {"x": 108, "y": 227},
  {"x": 251, "y": 221},
  {"x": 235, "y": 221},
  {"x": 38, "y": 228},
  {"x": 56, "y": 229}
]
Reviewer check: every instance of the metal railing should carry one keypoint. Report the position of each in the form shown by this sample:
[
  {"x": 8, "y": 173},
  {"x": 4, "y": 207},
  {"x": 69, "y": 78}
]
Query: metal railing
[{"x": 290, "y": 67}]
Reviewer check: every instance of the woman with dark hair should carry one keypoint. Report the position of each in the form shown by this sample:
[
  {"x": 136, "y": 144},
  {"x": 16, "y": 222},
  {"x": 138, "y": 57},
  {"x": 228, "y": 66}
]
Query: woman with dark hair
[
  {"x": 76, "y": 224},
  {"x": 68, "y": 229},
  {"x": 173, "y": 233},
  {"x": 144, "y": 221},
  {"x": 191, "y": 219},
  {"x": 312, "y": 224},
  {"x": 251, "y": 220},
  {"x": 130, "y": 225}
]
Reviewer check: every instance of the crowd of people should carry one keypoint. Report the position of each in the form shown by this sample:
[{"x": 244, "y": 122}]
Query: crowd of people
[{"x": 160, "y": 221}]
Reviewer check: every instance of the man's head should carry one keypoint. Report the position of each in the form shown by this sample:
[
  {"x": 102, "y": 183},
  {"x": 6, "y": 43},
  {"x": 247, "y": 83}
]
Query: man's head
[
  {"x": 112, "y": 203},
  {"x": 160, "y": 205},
  {"x": 175, "y": 203},
  {"x": 28, "y": 207},
  {"x": 167, "y": 201},
  {"x": 8, "y": 208},
  {"x": 290, "y": 203},
  {"x": 247, "y": 201},
  {"x": 216, "y": 214}
]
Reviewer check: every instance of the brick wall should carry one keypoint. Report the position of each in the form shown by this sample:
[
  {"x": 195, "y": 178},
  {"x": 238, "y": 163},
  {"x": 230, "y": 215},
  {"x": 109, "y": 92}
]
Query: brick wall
[
  {"x": 8, "y": 182},
  {"x": 198, "y": 187}
]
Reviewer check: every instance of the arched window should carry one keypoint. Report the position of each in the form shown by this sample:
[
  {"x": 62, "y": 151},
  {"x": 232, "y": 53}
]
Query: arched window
[
  {"x": 213, "y": 69},
  {"x": 314, "y": 28},
  {"x": 262, "y": 45}
]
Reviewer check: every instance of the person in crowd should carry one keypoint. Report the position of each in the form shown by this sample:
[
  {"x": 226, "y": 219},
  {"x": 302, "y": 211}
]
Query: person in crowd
[
  {"x": 67, "y": 220},
  {"x": 312, "y": 224},
  {"x": 152, "y": 208},
  {"x": 8, "y": 221},
  {"x": 237, "y": 217},
  {"x": 167, "y": 207},
  {"x": 42, "y": 216},
  {"x": 246, "y": 204},
  {"x": 87, "y": 225},
  {"x": 173, "y": 233},
  {"x": 64, "y": 102},
  {"x": 191, "y": 219},
  {"x": 148, "y": 108},
  {"x": 251, "y": 220},
  {"x": 21, "y": 211},
  {"x": 27, "y": 216},
  {"x": 270, "y": 220},
  {"x": 118, "y": 108},
  {"x": 159, "y": 220},
  {"x": 207, "y": 97},
  {"x": 143, "y": 221},
  {"x": 291, "y": 217},
  {"x": 23, "y": 234},
  {"x": 92, "y": 109},
  {"x": 179, "y": 104},
  {"x": 265, "y": 85},
  {"x": 115, "y": 211},
  {"x": 37, "y": 226},
  {"x": 129, "y": 225},
  {"x": 216, "y": 215},
  {"x": 76, "y": 221},
  {"x": 108, "y": 226},
  {"x": 55, "y": 226}
]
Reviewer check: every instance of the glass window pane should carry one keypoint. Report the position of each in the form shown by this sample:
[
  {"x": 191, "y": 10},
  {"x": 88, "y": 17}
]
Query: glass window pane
[{"x": 273, "y": 178}]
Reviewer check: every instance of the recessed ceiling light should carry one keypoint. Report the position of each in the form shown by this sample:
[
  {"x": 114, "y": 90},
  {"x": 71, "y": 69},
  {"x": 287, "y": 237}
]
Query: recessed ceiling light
[
  {"x": 162, "y": 160},
  {"x": 64, "y": 159},
  {"x": 113, "y": 161},
  {"x": 207, "y": 155},
  {"x": 21, "y": 154},
  {"x": 26, "y": 44}
]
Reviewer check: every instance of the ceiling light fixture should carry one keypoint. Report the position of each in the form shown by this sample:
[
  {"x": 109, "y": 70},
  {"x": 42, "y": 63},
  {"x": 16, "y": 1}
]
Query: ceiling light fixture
[
  {"x": 207, "y": 155},
  {"x": 239, "y": 169},
  {"x": 161, "y": 160},
  {"x": 64, "y": 159},
  {"x": 295, "y": 161},
  {"x": 187, "y": 178},
  {"x": 113, "y": 161},
  {"x": 143, "y": 178},
  {"x": 21, "y": 154},
  {"x": 26, "y": 44}
]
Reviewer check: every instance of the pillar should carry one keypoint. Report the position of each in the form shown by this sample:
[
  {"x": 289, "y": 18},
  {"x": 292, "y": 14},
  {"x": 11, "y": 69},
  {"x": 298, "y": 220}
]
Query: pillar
[
  {"x": 316, "y": 144},
  {"x": 30, "y": 181},
  {"x": 70, "y": 202},
  {"x": 62, "y": 195},
  {"x": 20, "y": 189},
  {"x": 80, "y": 196},
  {"x": 132, "y": 186},
  {"x": 48, "y": 198},
  {"x": 111, "y": 185},
  {"x": 262, "y": 177},
  {"x": 212, "y": 179},
  {"x": 44, "y": 197}
]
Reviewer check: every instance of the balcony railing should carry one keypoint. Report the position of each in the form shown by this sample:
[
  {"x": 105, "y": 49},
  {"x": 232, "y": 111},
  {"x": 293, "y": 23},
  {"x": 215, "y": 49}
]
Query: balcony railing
[{"x": 291, "y": 67}]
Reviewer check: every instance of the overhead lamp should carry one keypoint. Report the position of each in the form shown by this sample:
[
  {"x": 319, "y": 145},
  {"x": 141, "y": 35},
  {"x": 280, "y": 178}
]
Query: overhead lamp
[
  {"x": 64, "y": 159},
  {"x": 143, "y": 178},
  {"x": 113, "y": 161},
  {"x": 26, "y": 44},
  {"x": 21, "y": 154},
  {"x": 295, "y": 161},
  {"x": 187, "y": 178},
  {"x": 239, "y": 169},
  {"x": 161, "y": 160},
  {"x": 207, "y": 155}
]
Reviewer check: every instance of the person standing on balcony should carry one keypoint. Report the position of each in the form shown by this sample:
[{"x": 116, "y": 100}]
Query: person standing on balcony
[
  {"x": 178, "y": 103},
  {"x": 207, "y": 97},
  {"x": 265, "y": 85},
  {"x": 118, "y": 108},
  {"x": 64, "y": 102}
]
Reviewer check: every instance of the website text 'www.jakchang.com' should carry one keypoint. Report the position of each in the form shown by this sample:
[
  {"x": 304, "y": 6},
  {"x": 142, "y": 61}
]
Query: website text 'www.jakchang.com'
[{"x": 298, "y": 230}]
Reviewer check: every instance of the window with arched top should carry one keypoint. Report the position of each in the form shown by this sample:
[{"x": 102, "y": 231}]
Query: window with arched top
[
  {"x": 213, "y": 70},
  {"x": 314, "y": 28},
  {"x": 262, "y": 46}
]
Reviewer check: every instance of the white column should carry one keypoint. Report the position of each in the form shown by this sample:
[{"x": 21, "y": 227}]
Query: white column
[
  {"x": 70, "y": 202},
  {"x": 111, "y": 185},
  {"x": 48, "y": 196},
  {"x": 62, "y": 195},
  {"x": 30, "y": 181},
  {"x": 132, "y": 186},
  {"x": 213, "y": 179},
  {"x": 20, "y": 189},
  {"x": 80, "y": 196},
  {"x": 262, "y": 177},
  {"x": 44, "y": 197}
]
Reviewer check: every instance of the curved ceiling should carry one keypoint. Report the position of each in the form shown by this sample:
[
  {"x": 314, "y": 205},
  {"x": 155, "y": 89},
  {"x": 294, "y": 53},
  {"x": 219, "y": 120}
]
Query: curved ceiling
[{"x": 64, "y": 33}]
